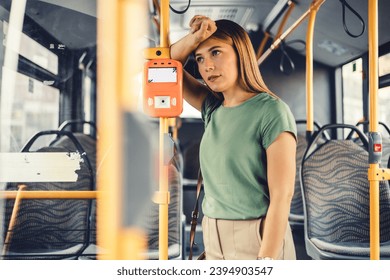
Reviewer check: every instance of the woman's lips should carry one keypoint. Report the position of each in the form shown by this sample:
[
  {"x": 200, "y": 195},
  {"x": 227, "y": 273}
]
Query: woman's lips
[{"x": 213, "y": 78}]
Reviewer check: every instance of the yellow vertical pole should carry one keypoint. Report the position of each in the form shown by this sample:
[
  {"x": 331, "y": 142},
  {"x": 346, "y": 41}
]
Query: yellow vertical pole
[
  {"x": 163, "y": 169},
  {"x": 309, "y": 70},
  {"x": 109, "y": 123},
  {"x": 118, "y": 63},
  {"x": 163, "y": 189},
  {"x": 164, "y": 24},
  {"x": 373, "y": 91}
]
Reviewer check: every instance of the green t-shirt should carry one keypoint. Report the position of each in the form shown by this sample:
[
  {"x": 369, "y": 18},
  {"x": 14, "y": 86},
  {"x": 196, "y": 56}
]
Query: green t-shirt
[{"x": 233, "y": 156}]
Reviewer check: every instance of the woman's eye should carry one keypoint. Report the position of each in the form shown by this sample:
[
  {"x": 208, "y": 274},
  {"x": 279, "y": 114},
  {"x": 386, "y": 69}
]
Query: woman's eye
[
  {"x": 215, "y": 52},
  {"x": 199, "y": 59}
]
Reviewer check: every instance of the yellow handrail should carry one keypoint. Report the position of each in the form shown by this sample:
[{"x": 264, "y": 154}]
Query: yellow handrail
[
  {"x": 275, "y": 44},
  {"x": 284, "y": 20},
  {"x": 315, "y": 5},
  {"x": 50, "y": 194},
  {"x": 163, "y": 169},
  {"x": 279, "y": 32},
  {"x": 21, "y": 194},
  {"x": 263, "y": 42},
  {"x": 373, "y": 91},
  {"x": 164, "y": 195}
]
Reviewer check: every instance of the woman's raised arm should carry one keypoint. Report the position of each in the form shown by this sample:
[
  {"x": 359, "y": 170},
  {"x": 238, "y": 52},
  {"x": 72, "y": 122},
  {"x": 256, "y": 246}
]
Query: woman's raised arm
[{"x": 201, "y": 28}]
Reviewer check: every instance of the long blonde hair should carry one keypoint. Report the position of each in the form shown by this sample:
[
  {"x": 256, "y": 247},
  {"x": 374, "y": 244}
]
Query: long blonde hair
[{"x": 233, "y": 34}]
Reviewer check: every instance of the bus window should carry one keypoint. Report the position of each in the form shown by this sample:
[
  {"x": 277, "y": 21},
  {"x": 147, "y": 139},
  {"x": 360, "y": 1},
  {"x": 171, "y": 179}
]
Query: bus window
[
  {"x": 384, "y": 92},
  {"x": 352, "y": 92},
  {"x": 384, "y": 65},
  {"x": 33, "y": 106},
  {"x": 29, "y": 102},
  {"x": 383, "y": 106}
]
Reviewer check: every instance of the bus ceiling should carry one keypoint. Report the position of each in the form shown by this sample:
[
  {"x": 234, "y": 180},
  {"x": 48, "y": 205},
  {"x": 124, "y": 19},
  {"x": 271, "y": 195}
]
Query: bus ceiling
[
  {"x": 54, "y": 17},
  {"x": 333, "y": 45},
  {"x": 335, "y": 22}
]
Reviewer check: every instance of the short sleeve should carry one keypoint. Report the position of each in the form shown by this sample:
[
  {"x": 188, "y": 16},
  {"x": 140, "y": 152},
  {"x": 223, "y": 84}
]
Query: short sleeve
[{"x": 276, "y": 119}]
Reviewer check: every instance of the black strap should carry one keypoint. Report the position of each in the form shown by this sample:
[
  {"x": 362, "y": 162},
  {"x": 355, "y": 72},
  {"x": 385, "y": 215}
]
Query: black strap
[{"x": 195, "y": 213}]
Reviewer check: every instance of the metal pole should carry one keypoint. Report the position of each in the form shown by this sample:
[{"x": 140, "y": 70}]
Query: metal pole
[
  {"x": 119, "y": 24},
  {"x": 373, "y": 93},
  {"x": 315, "y": 5},
  {"x": 163, "y": 169},
  {"x": 309, "y": 69}
]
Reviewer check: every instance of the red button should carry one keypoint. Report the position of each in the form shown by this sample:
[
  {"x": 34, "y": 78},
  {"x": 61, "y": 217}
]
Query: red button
[{"x": 377, "y": 148}]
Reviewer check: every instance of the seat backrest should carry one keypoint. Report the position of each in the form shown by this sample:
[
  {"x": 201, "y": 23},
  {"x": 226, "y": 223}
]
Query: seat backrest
[
  {"x": 150, "y": 221},
  {"x": 336, "y": 193},
  {"x": 88, "y": 144},
  {"x": 296, "y": 202},
  {"x": 296, "y": 210},
  {"x": 86, "y": 141}
]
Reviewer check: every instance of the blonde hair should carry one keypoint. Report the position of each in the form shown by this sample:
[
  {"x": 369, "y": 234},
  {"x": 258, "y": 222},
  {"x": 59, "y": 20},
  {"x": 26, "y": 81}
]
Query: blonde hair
[{"x": 233, "y": 34}]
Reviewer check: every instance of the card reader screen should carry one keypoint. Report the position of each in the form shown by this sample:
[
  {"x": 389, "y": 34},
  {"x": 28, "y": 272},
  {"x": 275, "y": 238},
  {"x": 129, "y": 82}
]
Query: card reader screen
[{"x": 162, "y": 75}]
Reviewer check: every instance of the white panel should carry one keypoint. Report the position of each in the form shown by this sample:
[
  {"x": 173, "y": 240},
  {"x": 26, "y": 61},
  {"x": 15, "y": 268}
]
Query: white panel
[{"x": 39, "y": 167}]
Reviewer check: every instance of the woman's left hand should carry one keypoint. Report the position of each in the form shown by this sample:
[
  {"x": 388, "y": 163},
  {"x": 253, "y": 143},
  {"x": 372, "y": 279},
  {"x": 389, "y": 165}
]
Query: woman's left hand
[{"x": 202, "y": 27}]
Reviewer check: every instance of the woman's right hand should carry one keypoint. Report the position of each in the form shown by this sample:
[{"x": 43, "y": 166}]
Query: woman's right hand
[{"x": 202, "y": 27}]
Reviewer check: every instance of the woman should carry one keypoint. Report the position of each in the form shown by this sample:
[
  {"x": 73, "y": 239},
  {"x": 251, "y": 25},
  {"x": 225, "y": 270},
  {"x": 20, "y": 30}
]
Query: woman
[{"x": 247, "y": 153}]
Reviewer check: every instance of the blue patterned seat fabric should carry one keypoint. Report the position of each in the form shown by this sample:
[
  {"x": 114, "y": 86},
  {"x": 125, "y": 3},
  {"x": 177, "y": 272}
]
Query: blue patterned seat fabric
[{"x": 336, "y": 197}]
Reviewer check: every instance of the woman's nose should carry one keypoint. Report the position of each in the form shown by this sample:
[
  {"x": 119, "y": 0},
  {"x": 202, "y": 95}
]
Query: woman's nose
[{"x": 209, "y": 65}]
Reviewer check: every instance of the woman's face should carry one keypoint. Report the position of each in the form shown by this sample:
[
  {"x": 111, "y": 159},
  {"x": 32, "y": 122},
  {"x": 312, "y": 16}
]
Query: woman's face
[{"x": 218, "y": 65}]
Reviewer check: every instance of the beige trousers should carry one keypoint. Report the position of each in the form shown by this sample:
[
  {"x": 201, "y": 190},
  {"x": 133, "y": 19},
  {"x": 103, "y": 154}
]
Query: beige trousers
[{"x": 239, "y": 240}]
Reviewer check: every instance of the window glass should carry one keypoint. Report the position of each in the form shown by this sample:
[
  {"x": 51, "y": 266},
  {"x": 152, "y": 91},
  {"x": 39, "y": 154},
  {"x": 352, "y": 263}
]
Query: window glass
[
  {"x": 384, "y": 65},
  {"x": 27, "y": 105},
  {"x": 383, "y": 109},
  {"x": 352, "y": 92},
  {"x": 32, "y": 50}
]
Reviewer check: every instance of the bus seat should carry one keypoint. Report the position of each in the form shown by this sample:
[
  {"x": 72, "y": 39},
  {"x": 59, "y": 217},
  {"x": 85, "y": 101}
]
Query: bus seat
[
  {"x": 335, "y": 194},
  {"x": 175, "y": 222},
  {"x": 296, "y": 217},
  {"x": 88, "y": 143},
  {"x": 52, "y": 228},
  {"x": 79, "y": 125}
]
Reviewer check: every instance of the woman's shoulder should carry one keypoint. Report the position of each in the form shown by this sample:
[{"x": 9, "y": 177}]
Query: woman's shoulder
[
  {"x": 269, "y": 101},
  {"x": 270, "y": 108}
]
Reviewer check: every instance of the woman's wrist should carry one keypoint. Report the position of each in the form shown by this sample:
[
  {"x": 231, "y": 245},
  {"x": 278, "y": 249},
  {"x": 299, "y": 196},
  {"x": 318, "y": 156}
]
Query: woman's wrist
[
  {"x": 265, "y": 258},
  {"x": 182, "y": 49}
]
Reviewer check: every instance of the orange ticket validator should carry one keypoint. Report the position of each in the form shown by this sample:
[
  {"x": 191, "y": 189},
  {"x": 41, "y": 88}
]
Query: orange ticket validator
[{"x": 163, "y": 91}]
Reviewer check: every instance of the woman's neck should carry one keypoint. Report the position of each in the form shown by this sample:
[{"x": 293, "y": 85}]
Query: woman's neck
[{"x": 235, "y": 98}]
